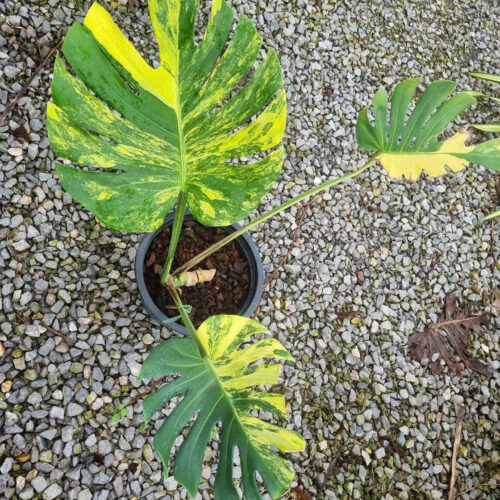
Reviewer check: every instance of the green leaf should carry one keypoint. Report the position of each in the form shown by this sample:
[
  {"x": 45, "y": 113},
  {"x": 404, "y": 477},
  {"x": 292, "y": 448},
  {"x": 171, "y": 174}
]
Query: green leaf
[
  {"x": 217, "y": 389},
  {"x": 486, "y": 76},
  {"x": 494, "y": 215},
  {"x": 119, "y": 413},
  {"x": 149, "y": 134},
  {"x": 491, "y": 127},
  {"x": 406, "y": 143}
]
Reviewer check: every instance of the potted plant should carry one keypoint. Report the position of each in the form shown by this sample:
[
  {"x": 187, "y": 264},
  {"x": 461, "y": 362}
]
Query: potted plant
[{"x": 161, "y": 138}]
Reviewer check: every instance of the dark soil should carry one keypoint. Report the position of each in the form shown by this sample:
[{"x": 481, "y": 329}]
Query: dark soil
[{"x": 223, "y": 295}]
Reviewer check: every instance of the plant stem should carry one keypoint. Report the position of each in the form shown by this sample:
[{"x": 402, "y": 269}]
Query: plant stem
[
  {"x": 185, "y": 317},
  {"x": 174, "y": 238},
  {"x": 311, "y": 192}
]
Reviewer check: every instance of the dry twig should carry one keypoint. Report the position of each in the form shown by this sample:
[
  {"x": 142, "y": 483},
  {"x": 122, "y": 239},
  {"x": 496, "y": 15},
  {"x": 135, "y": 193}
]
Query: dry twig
[
  {"x": 456, "y": 445},
  {"x": 291, "y": 247},
  {"x": 480, "y": 485},
  {"x": 50, "y": 329},
  {"x": 39, "y": 68}
]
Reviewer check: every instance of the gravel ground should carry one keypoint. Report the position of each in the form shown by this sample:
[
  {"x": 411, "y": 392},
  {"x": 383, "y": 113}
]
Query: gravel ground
[{"x": 386, "y": 250}]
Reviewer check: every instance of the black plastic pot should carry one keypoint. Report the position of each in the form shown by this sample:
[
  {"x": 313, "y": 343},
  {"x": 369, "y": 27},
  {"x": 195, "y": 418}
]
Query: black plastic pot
[{"x": 247, "y": 249}]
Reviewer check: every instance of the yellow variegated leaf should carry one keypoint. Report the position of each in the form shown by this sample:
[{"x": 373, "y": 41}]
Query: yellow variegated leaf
[
  {"x": 400, "y": 164},
  {"x": 218, "y": 389},
  {"x": 407, "y": 143},
  {"x": 169, "y": 133}
]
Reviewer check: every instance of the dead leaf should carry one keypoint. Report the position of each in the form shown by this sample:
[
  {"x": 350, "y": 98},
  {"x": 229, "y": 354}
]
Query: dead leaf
[
  {"x": 450, "y": 336},
  {"x": 299, "y": 494},
  {"x": 24, "y": 457},
  {"x": 22, "y": 132},
  {"x": 497, "y": 188},
  {"x": 151, "y": 259},
  {"x": 131, "y": 5},
  {"x": 345, "y": 313},
  {"x": 496, "y": 298}
]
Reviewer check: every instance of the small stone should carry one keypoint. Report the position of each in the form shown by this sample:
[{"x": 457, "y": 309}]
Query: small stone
[
  {"x": 36, "y": 125},
  {"x": 91, "y": 440},
  {"x": 64, "y": 295},
  {"x": 170, "y": 484},
  {"x": 84, "y": 495},
  {"x": 39, "y": 483},
  {"x": 74, "y": 410},
  {"x": 101, "y": 478},
  {"x": 53, "y": 491},
  {"x": 118, "y": 486},
  {"x": 32, "y": 331},
  {"x": 57, "y": 412},
  {"x": 16, "y": 221},
  {"x": 6, "y": 466},
  {"x": 147, "y": 452},
  {"x": 10, "y": 418},
  {"x": 41, "y": 285},
  {"x": 46, "y": 456},
  {"x": 104, "y": 447},
  {"x": 11, "y": 71},
  {"x": 346, "y": 337}
]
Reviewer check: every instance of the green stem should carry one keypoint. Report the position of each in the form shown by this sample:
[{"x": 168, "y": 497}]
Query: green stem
[
  {"x": 185, "y": 317},
  {"x": 174, "y": 238},
  {"x": 311, "y": 192}
]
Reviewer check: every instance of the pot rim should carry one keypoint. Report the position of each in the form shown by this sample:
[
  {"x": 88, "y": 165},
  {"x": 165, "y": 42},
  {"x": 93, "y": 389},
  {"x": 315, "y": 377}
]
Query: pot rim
[{"x": 247, "y": 248}]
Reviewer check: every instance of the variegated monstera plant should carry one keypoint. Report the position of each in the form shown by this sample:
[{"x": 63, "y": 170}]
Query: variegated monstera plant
[{"x": 154, "y": 138}]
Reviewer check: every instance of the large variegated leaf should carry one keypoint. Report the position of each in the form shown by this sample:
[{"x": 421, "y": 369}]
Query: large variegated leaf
[
  {"x": 407, "y": 143},
  {"x": 149, "y": 134},
  {"x": 217, "y": 389}
]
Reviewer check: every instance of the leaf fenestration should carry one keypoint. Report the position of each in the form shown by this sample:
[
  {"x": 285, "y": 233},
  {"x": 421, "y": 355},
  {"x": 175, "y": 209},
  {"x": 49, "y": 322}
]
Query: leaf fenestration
[
  {"x": 408, "y": 145},
  {"x": 157, "y": 132},
  {"x": 218, "y": 389}
]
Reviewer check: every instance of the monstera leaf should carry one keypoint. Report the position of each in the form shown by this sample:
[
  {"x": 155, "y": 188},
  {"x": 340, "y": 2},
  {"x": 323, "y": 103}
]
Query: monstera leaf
[
  {"x": 150, "y": 135},
  {"x": 487, "y": 127},
  {"x": 217, "y": 389},
  {"x": 406, "y": 147}
]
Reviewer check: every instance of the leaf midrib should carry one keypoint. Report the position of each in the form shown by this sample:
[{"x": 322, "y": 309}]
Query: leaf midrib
[
  {"x": 234, "y": 418},
  {"x": 181, "y": 144},
  {"x": 438, "y": 152}
]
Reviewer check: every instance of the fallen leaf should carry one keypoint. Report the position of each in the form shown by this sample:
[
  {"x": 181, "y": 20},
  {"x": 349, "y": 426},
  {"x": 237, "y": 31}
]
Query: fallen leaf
[
  {"x": 450, "y": 336},
  {"x": 23, "y": 457},
  {"x": 151, "y": 259},
  {"x": 345, "y": 313},
  {"x": 496, "y": 298},
  {"x": 299, "y": 494},
  {"x": 22, "y": 132}
]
